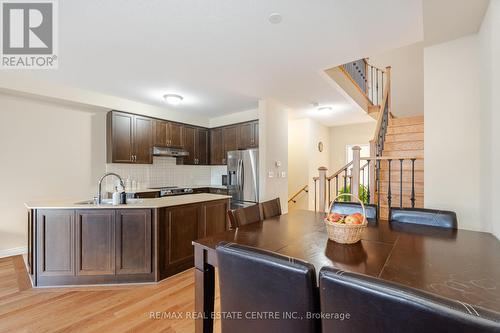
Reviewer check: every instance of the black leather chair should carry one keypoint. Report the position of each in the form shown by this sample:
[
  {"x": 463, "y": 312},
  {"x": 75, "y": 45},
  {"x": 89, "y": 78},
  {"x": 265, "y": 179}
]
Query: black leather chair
[
  {"x": 354, "y": 207},
  {"x": 429, "y": 217},
  {"x": 374, "y": 305},
  {"x": 255, "y": 282}
]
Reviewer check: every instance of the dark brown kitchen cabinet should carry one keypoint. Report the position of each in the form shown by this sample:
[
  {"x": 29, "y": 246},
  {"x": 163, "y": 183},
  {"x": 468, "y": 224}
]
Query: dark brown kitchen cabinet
[
  {"x": 202, "y": 140},
  {"x": 196, "y": 144},
  {"x": 168, "y": 134},
  {"x": 179, "y": 226},
  {"x": 129, "y": 138},
  {"x": 95, "y": 242},
  {"x": 133, "y": 241},
  {"x": 190, "y": 145},
  {"x": 143, "y": 140},
  {"x": 55, "y": 243},
  {"x": 215, "y": 217},
  {"x": 229, "y": 140},
  {"x": 248, "y": 135},
  {"x": 216, "y": 147}
]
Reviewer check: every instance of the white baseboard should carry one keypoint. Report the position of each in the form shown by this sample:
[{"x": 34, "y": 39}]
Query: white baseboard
[{"x": 13, "y": 251}]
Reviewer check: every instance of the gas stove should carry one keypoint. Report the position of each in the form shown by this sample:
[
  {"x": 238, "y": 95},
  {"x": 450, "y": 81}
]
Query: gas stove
[{"x": 166, "y": 191}]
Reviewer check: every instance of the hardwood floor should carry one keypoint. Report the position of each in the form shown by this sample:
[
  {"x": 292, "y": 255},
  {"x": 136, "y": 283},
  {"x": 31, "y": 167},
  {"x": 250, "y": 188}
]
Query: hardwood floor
[{"x": 125, "y": 308}]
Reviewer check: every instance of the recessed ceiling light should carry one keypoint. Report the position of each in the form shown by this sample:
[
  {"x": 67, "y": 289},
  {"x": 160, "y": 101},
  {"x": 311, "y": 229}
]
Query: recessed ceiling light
[
  {"x": 275, "y": 18},
  {"x": 325, "y": 108},
  {"x": 173, "y": 99}
]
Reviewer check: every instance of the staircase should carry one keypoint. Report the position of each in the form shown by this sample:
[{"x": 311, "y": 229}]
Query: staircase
[{"x": 404, "y": 138}]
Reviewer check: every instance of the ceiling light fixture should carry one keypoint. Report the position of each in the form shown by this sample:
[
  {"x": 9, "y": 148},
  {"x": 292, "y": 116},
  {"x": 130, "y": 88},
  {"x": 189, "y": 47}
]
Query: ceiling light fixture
[
  {"x": 275, "y": 18},
  {"x": 324, "y": 108},
  {"x": 173, "y": 99}
]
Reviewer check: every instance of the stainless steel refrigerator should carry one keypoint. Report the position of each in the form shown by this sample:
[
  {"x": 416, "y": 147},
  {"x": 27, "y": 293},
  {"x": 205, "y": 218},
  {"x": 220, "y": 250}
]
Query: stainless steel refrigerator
[{"x": 243, "y": 177}]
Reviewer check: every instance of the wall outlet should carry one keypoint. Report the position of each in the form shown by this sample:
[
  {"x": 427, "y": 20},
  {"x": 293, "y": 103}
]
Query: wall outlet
[
  {"x": 278, "y": 164},
  {"x": 270, "y": 174},
  {"x": 283, "y": 174}
]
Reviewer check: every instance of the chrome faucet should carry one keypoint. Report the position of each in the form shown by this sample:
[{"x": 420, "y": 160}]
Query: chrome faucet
[{"x": 99, "y": 185}]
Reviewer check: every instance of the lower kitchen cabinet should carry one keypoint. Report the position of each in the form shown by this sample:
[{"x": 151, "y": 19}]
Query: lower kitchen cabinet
[
  {"x": 133, "y": 241},
  {"x": 95, "y": 242},
  {"x": 102, "y": 246}
]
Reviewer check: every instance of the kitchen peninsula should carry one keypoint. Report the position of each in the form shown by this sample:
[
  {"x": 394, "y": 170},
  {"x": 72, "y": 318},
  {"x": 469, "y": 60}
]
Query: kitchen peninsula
[{"x": 145, "y": 240}]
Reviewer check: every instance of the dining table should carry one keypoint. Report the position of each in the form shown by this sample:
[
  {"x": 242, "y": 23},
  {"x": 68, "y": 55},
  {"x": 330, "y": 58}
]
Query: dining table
[{"x": 458, "y": 264}]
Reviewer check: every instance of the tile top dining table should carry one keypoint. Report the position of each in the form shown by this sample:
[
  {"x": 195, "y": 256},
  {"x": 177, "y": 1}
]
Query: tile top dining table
[{"x": 458, "y": 264}]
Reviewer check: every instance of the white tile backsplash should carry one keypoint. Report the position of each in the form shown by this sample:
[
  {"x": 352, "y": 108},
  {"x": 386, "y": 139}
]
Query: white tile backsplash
[
  {"x": 216, "y": 174},
  {"x": 165, "y": 172}
]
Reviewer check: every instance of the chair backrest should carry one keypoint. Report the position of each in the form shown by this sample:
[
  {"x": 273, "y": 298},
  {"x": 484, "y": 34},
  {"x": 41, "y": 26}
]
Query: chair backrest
[
  {"x": 430, "y": 217},
  {"x": 375, "y": 305},
  {"x": 246, "y": 215},
  {"x": 271, "y": 208},
  {"x": 254, "y": 281},
  {"x": 354, "y": 207}
]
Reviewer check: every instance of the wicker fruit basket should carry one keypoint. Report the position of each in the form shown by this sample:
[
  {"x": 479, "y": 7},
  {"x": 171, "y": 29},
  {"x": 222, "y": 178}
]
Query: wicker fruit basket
[{"x": 346, "y": 233}]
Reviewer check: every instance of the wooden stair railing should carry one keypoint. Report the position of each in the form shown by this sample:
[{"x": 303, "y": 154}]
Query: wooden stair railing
[
  {"x": 368, "y": 79},
  {"x": 304, "y": 188}
]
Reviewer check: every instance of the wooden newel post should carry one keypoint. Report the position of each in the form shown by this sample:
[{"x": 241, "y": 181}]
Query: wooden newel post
[
  {"x": 356, "y": 161},
  {"x": 322, "y": 188}
]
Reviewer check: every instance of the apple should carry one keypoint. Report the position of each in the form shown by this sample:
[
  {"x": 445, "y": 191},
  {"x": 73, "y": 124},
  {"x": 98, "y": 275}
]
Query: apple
[
  {"x": 359, "y": 216},
  {"x": 351, "y": 220},
  {"x": 334, "y": 217}
]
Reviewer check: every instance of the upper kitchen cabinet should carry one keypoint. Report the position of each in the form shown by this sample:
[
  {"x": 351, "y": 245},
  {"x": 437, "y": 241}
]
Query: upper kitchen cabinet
[
  {"x": 249, "y": 135},
  {"x": 216, "y": 147},
  {"x": 230, "y": 138},
  {"x": 202, "y": 143},
  {"x": 196, "y": 143},
  {"x": 168, "y": 134},
  {"x": 129, "y": 138}
]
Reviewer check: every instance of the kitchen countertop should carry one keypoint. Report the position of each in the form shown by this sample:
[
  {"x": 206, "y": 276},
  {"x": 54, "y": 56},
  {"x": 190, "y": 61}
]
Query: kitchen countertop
[{"x": 137, "y": 203}]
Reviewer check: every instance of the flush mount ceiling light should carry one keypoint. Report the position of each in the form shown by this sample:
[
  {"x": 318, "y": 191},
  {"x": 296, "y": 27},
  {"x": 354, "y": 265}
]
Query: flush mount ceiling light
[
  {"x": 324, "y": 108},
  {"x": 173, "y": 99},
  {"x": 275, "y": 18}
]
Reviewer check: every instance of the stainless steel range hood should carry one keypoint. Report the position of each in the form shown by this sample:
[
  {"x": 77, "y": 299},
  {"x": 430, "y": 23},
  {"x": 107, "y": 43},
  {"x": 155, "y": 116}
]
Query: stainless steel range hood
[{"x": 172, "y": 152}]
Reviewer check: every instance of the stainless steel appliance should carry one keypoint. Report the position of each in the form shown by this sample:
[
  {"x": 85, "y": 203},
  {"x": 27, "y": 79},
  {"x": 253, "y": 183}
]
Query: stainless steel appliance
[
  {"x": 167, "y": 191},
  {"x": 243, "y": 177}
]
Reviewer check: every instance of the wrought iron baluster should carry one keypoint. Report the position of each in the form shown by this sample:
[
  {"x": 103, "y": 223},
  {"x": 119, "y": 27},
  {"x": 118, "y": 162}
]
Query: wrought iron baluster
[
  {"x": 315, "y": 194},
  {"x": 412, "y": 183},
  {"x": 400, "y": 183},
  {"x": 329, "y": 199},
  {"x": 389, "y": 194},
  {"x": 377, "y": 86},
  {"x": 378, "y": 186},
  {"x": 336, "y": 185},
  {"x": 368, "y": 181}
]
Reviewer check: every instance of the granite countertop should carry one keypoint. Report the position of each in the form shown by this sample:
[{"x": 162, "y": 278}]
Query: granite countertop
[{"x": 134, "y": 203}]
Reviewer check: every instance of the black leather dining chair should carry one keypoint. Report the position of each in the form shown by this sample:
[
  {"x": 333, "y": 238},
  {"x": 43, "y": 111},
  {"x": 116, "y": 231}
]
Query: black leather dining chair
[
  {"x": 423, "y": 216},
  {"x": 354, "y": 207},
  {"x": 256, "y": 283},
  {"x": 375, "y": 305}
]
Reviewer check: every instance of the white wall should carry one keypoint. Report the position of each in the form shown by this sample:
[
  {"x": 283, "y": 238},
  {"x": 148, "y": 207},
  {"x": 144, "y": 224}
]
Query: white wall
[
  {"x": 407, "y": 78},
  {"x": 340, "y": 136},
  {"x": 304, "y": 158},
  {"x": 273, "y": 147},
  {"x": 49, "y": 151},
  {"x": 233, "y": 118},
  {"x": 452, "y": 104},
  {"x": 489, "y": 42},
  {"x": 298, "y": 163}
]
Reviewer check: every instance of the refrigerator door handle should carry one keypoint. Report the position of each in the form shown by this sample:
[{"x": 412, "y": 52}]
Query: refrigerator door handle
[{"x": 242, "y": 173}]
